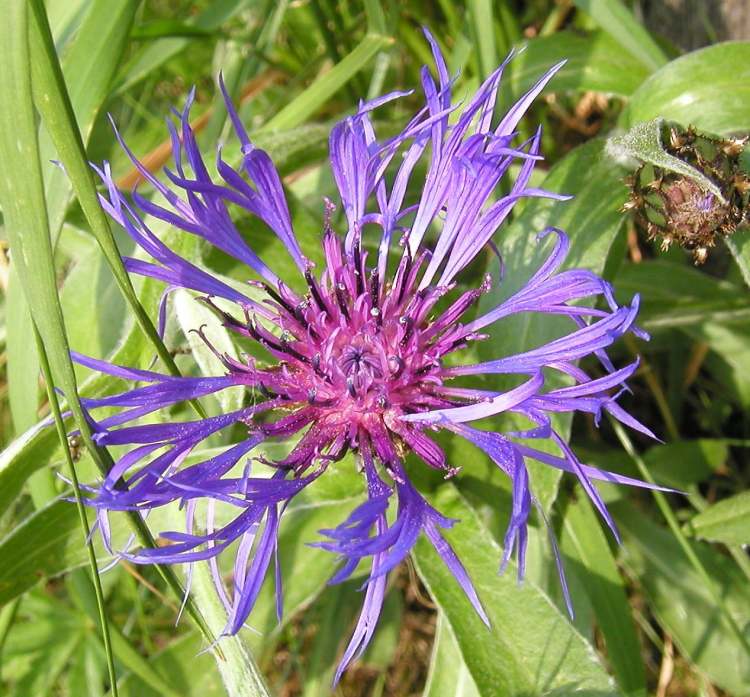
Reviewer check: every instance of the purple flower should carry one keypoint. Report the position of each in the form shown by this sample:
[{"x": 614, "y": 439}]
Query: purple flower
[{"x": 358, "y": 354}]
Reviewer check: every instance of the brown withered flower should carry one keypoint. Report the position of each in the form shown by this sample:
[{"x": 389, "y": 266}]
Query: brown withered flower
[{"x": 677, "y": 208}]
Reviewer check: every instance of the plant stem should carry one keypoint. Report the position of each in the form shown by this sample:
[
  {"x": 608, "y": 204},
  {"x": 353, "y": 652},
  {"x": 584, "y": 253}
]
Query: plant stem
[{"x": 54, "y": 404}]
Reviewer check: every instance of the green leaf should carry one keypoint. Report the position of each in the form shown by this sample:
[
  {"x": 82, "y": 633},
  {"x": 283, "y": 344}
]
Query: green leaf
[
  {"x": 88, "y": 68},
  {"x": 325, "y": 86},
  {"x": 22, "y": 195},
  {"x": 727, "y": 521},
  {"x": 592, "y": 220},
  {"x": 332, "y": 614},
  {"x": 240, "y": 674},
  {"x": 709, "y": 89},
  {"x": 44, "y": 545},
  {"x": 531, "y": 647},
  {"x": 56, "y": 109},
  {"x": 739, "y": 246},
  {"x": 683, "y": 604},
  {"x": 583, "y": 541},
  {"x": 594, "y": 63},
  {"x": 686, "y": 462},
  {"x": 448, "y": 676},
  {"x": 191, "y": 671},
  {"x": 83, "y": 594},
  {"x": 643, "y": 143},
  {"x": 678, "y": 295},
  {"x": 615, "y": 18}
]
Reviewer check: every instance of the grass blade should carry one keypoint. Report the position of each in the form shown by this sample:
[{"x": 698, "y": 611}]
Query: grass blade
[
  {"x": 618, "y": 21},
  {"x": 328, "y": 84},
  {"x": 483, "y": 30}
]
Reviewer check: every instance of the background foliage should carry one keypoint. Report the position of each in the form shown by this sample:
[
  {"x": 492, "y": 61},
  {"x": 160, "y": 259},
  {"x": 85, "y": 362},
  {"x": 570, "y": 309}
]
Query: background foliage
[{"x": 668, "y": 613}]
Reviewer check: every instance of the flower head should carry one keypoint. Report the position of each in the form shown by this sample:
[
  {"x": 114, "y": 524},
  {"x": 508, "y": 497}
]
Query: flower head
[{"x": 357, "y": 353}]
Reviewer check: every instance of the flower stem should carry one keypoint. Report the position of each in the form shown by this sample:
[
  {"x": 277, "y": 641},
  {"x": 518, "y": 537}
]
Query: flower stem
[{"x": 54, "y": 404}]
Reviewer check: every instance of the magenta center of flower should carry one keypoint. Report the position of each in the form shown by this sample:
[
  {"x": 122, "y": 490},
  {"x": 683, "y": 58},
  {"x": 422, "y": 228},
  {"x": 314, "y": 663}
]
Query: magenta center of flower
[{"x": 354, "y": 355}]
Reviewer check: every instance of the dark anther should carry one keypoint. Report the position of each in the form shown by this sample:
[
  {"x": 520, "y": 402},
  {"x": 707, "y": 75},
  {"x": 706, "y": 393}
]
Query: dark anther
[
  {"x": 277, "y": 297},
  {"x": 341, "y": 299},
  {"x": 316, "y": 359},
  {"x": 407, "y": 322},
  {"x": 374, "y": 288},
  {"x": 265, "y": 391},
  {"x": 292, "y": 351},
  {"x": 350, "y": 387},
  {"x": 299, "y": 313},
  {"x": 407, "y": 269},
  {"x": 315, "y": 291},
  {"x": 358, "y": 269}
]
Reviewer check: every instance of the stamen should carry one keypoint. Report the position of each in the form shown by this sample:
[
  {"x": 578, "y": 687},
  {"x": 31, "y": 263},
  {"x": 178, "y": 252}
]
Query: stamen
[
  {"x": 358, "y": 268},
  {"x": 341, "y": 299},
  {"x": 315, "y": 291},
  {"x": 374, "y": 288}
]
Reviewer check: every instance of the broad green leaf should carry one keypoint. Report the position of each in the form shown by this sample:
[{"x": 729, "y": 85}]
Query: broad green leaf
[
  {"x": 678, "y": 295},
  {"x": 46, "y": 544},
  {"x": 727, "y": 521},
  {"x": 65, "y": 17},
  {"x": 94, "y": 309},
  {"x": 616, "y": 19},
  {"x": 584, "y": 544},
  {"x": 325, "y": 86},
  {"x": 686, "y": 462},
  {"x": 531, "y": 647},
  {"x": 594, "y": 63},
  {"x": 592, "y": 220},
  {"x": 682, "y": 603},
  {"x": 709, "y": 89},
  {"x": 448, "y": 676}
]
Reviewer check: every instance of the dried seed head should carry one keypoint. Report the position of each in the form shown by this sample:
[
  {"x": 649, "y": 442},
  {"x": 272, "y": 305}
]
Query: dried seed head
[{"x": 673, "y": 207}]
